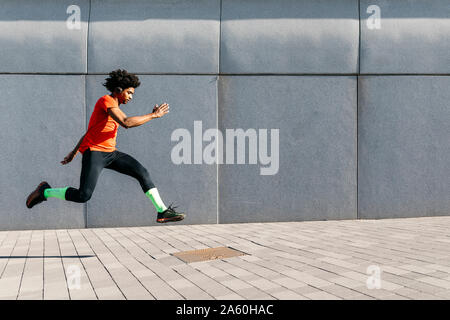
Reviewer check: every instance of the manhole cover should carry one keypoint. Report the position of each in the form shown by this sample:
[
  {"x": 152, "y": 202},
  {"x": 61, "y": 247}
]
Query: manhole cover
[{"x": 208, "y": 254}]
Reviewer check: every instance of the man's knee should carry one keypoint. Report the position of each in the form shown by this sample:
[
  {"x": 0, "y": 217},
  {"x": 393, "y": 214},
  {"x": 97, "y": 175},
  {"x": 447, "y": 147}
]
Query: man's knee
[
  {"x": 85, "y": 195},
  {"x": 143, "y": 172}
]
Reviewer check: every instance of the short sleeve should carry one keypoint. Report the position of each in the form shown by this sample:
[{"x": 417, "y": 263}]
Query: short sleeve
[{"x": 107, "y": 102}]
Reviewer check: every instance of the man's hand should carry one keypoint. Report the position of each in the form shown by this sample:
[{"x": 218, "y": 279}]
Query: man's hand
[
  {"x": 69, "y": 157},
  {"x": 161, "y": 110}
]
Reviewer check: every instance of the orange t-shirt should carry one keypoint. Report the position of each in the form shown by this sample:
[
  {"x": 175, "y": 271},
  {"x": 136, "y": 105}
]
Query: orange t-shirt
[{"x": 102, "y": 129}]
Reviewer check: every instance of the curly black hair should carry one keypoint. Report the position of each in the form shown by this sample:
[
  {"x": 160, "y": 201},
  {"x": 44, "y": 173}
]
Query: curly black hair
[{"x": 121, "y": 79}]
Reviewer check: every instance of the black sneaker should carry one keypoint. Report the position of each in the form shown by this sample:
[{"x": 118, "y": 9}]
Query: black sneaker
[
  {"x": 169, "y": 215},
  {"x": 37, "y": 196}
]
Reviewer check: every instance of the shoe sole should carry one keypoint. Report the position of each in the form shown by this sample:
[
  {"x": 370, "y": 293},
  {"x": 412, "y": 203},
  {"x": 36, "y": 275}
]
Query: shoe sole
[
  {"x": 165, "y": 220},
  {"x": 36, "y": 192}
]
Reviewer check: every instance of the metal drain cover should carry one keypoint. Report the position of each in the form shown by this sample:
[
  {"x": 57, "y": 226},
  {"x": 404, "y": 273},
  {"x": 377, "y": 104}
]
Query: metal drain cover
[{"x": 208, "y": 254}]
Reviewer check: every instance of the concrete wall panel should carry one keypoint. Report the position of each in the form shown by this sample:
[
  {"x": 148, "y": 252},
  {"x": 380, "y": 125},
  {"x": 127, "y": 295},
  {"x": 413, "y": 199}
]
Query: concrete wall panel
[
  {"x": 42, "y": 120},
  {"x": 316, "y": 118},
  {"x": 34, "y": 36},
  {"x": 404, "y": 147},
  {"x": 414, "y": 37},
  {"x": 169, "y": 36},
  {"x": 289, "y": 36},
  {"x": 118, "y": 200}
]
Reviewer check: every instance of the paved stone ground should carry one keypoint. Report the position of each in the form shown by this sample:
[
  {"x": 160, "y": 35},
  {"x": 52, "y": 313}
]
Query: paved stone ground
[{"x": 293, "y": 260}]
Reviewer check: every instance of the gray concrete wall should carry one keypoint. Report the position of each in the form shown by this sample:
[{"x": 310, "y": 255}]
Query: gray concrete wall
[
  {"x": 414, "y": 37},
  {"x": 289, "y": 36},
  {"x": 404, "y": 148},
  {"x": 34, "y": 37},
  {"x": 316, "y": 176},
  {"x": 168, "y": 36},
  {"x": 361, "y": 112},
  {"x": 42, "y": 119}
]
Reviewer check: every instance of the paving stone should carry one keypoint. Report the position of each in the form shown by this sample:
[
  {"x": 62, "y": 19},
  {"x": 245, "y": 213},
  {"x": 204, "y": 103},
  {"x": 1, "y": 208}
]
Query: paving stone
[
  {"x": 236, "y": 284},
  {"x": 190, "y": 291},
  {"x": 340, "y": 291},
  {"x": 444, "y": 294},
  {"x": 213, "y": 288},
  {"x": 162, "y": 290},
  {"x": 394, "y": 270},
  {"x": 238, "y": 272},
  {"x": 375, "y": 293},
  {"x": 394, "y": 297},
  {"x": 305, "y": 290},
  {"x": 360, "y": 297},
  {"x": 289, "y": 283},
  {"x": 254, "y": 294},
  {"x": 295, "y": 260},
  {"x": 233, "y": 296},
  {"x": 416, "y": 268},
  {"x": 263, "y": 284},
  {"x": 180, "y": 284},
  {"x": 389, "y": 285},
  {"x": 288, "y": 295},
  {"x": 440, "y": 275},
  {"x": 109, "y": 293},
  {"x": 346, "y": 282},
  {"x": 321, "y": 295},
  {"x": 425, "y": 287},
  {"x": 436, "y": 282},
  {"x": 417, "y": 295},
  {"x": 30, "y": 295},
  {"x": 306, "y": 278},
  {"x": 214, "y": 272},
  {"x": 338, "y": 262}
]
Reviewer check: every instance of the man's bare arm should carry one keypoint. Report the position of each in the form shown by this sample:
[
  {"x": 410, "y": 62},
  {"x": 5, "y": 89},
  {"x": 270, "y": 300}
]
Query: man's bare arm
[
  {"x": 74, "y": 152},
  {"x": 130, "y": 122},
  {"x": 79, "y": 144}
]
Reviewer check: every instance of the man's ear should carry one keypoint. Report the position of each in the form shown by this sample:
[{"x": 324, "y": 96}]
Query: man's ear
[{"x": 118, "y": 90}]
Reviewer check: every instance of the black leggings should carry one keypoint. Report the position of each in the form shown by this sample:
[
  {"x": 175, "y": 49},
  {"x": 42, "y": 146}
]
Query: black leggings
[{"x": 94, "y": 162}]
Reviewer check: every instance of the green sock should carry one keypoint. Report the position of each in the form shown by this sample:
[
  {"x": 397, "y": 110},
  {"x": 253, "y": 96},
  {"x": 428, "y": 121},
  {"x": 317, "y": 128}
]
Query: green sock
[
  {"x": 55, "y": 193},
  {"x": 153, "y": 195}
]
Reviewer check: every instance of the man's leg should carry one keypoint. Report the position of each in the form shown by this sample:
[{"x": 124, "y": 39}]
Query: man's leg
[
  {"x": 126, "y": 164},
  {"x": 92, "y": 164}
]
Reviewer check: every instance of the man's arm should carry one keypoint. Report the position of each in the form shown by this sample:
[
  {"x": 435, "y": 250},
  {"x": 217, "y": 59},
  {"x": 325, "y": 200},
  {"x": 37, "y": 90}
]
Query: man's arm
[
  {"x": 78, "y": 144},
  {"x": 131, "y": 122},
  {"x": 74, "y": 152}
]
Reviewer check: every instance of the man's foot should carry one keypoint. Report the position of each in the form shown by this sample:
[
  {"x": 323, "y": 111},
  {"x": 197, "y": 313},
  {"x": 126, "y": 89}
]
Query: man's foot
[
  {"x": 37, "y": 196},
  {"x": 170, "y": 215}
]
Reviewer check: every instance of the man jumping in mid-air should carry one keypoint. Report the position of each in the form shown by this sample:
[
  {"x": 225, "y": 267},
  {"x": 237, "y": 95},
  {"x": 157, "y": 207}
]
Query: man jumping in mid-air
[{"x": 98, "y": 147}]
